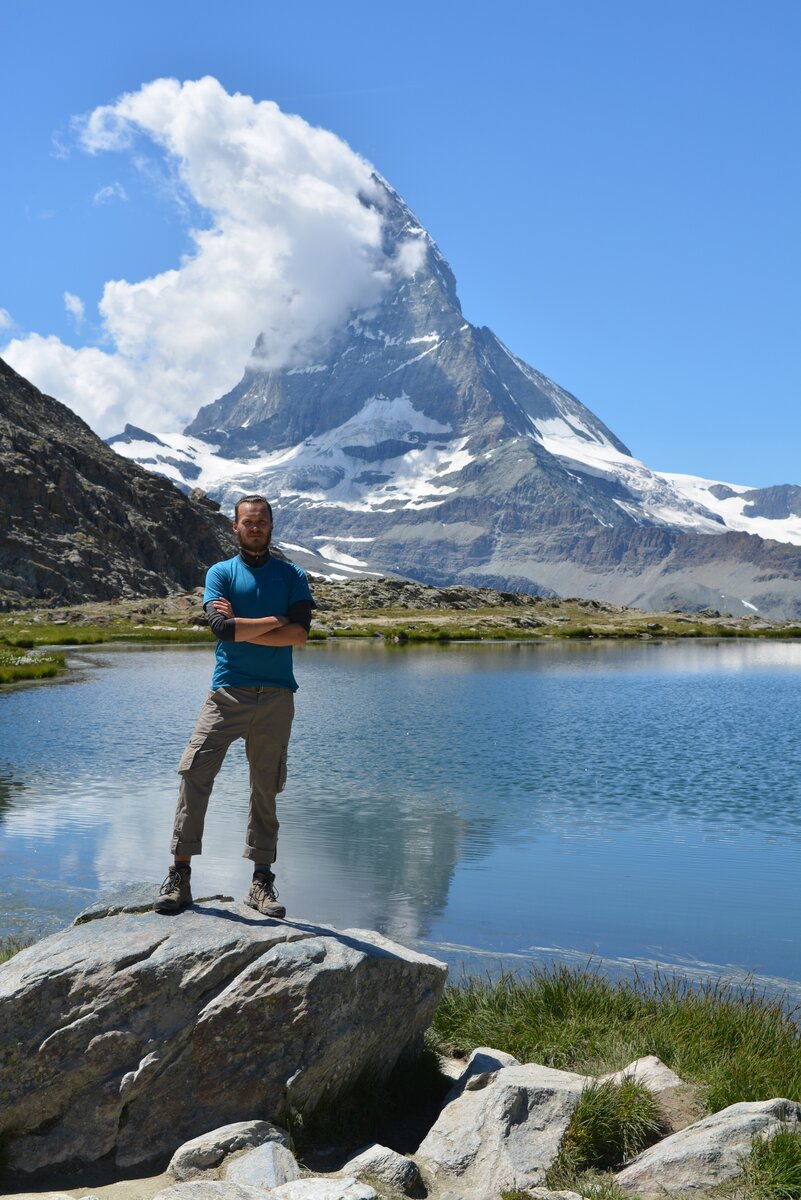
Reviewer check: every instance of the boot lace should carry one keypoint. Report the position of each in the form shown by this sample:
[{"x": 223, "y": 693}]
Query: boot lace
[
  {"x": 173, "y": 881},
  {"x": 264, "y": 886}
]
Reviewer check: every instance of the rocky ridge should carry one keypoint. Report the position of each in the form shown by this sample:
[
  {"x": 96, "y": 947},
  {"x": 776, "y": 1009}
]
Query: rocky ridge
[{"x": 79, "y": 522}]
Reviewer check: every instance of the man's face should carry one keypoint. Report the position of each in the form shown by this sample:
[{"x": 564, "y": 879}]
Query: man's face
[{"x": 253, "y": 527}]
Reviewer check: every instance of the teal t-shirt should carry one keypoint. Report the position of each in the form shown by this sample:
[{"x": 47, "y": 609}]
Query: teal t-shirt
[{"x": 265, "y": 591}]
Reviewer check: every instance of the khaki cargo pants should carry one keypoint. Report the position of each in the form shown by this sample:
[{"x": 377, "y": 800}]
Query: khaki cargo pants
[{"x": 263, "y": 717}]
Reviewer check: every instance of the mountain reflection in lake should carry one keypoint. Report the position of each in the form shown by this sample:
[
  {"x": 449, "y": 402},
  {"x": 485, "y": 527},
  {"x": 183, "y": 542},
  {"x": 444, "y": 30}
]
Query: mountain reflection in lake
[{"x": 488, "y": 803}]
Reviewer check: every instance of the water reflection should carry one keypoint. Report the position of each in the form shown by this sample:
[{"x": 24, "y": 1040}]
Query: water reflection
[{"x": 629, "y": 800}]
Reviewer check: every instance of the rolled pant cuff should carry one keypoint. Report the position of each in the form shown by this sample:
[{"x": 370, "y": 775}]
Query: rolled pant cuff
[
  {"x": 183, "y": 849},
  {"x": 259, "y": 856}
]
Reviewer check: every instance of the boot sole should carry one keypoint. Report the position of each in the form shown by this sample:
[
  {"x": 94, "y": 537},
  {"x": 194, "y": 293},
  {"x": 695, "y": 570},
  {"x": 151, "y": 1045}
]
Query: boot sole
[
  {"x": 167, "y": 908},
  {"x": 278, "y": 913}
]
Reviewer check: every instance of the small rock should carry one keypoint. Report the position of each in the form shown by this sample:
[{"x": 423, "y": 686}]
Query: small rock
[
  {"x": 502, "y": 1131},
  {"x": 539, "y": 1193},
  {"x": 266, "y": 1166},
  {"x": 210, "y": 1189},
  {"x": 708, "y": 1153},
  {"x": 325, "y": 1189},
  {"x": 387, "y": 1166},
  {"x": 209, "y": 1150},
  {"x": 650, "y": 1071},
  {"x": 485, "y": 1060}
]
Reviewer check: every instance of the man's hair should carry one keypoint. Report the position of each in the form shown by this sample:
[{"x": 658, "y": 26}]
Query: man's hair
[{"x": 252, "y": 500}]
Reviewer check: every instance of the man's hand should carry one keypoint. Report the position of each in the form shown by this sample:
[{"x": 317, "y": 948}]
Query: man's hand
[{"x": 223, "y": 607}]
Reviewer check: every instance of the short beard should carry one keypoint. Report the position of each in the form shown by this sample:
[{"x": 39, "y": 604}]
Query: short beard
[
  {"x": 255, "y": 557},
  {"x": 255, "y": 553}
]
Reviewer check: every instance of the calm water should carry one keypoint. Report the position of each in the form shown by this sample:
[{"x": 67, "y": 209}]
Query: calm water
[{"x": 490, "y": 804}]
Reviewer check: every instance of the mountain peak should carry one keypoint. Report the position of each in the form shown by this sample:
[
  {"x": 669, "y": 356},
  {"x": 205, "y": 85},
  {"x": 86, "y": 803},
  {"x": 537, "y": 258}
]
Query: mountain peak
[{"x": 439, "y": 453}]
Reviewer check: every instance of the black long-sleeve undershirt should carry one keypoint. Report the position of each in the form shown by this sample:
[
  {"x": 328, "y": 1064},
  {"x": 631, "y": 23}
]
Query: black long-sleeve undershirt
[{"x": 224, "y": 628}]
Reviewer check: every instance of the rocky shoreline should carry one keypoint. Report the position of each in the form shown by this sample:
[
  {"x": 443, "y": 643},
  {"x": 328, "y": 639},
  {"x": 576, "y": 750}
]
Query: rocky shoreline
[{"x": 365, "y": 607}]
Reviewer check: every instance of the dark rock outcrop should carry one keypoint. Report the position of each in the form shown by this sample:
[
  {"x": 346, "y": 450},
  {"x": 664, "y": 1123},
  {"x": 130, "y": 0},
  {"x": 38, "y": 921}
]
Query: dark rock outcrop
[{"x": 78, "y": 522}]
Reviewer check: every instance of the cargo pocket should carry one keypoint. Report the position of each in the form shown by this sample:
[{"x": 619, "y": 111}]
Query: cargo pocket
[
  {"x": 281, "y": 772},
  {"x": 188, "y": 757}
]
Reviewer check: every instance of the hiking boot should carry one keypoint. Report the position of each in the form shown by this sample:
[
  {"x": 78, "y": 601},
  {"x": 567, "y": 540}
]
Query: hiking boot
[
  {"x": 263, "y": 896},
  {"x": 176, "y": 890}
]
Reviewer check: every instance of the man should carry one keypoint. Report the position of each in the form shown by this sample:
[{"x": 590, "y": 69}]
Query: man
[{"x": 259, "y": 607}]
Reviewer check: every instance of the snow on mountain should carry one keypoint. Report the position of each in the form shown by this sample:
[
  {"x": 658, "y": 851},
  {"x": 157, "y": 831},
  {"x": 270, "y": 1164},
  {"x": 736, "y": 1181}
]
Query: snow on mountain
[{"x": 744, "y": 508}]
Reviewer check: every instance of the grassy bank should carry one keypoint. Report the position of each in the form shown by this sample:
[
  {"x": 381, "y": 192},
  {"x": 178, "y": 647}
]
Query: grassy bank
[
  {"x": 729, "y": 1044},
  {"x": 396, "y": 614},
  {"x": 734, "y": 1043},
  {"x": 19, "y": 665},
  {"x": 21, "y": 637}
]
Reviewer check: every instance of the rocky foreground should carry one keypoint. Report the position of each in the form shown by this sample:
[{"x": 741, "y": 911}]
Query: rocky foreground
[{"x": 193, "y": 1042}]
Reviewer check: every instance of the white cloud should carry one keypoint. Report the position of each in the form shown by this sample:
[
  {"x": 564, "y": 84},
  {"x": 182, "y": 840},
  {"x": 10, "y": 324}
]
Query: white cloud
[
  {"x": 111, "y": 191},
  {"x": 291, "y": 249},
  {"x": 74, "y": 306},
  {"x": 6, "y": 320}
]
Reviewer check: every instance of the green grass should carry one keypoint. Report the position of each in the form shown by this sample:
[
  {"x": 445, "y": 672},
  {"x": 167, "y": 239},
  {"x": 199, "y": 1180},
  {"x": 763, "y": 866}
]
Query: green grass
[
  {"x": 612, "y": 1123},
  {"x": 16, "y": 665},
  {"x": 772, "y": 1171},
  {"x": 735, "y": 1043},
  {"x": 185, "y": 635},
  {"x": 437, "y": 633},
  {"x": 592, "y": 1185},
  {"x": 28, "y": 636},
  {"x": 10, "y": 946}
]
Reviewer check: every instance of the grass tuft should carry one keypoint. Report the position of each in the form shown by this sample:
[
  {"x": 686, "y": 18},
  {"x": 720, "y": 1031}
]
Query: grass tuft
[
  {"x": 9, "y": 946},
  {"x": 17, "y": 665},
  {"x": 772, "y": 1170},
  {"x": 612, "y": 1123},
  {"x": 734, "y": 1042}
]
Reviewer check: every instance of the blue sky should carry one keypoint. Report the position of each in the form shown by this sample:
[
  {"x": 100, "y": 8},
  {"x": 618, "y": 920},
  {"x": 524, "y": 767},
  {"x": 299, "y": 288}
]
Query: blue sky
[{"x": 616, "y": 185}]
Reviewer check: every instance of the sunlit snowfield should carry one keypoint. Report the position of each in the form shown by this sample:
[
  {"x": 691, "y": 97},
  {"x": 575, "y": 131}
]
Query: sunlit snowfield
[{"x": 488, "y": 803}]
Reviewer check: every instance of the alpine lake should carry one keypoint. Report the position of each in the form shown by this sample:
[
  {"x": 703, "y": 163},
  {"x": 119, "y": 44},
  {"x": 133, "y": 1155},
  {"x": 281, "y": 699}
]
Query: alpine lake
[{"x": 493, "y": 804}]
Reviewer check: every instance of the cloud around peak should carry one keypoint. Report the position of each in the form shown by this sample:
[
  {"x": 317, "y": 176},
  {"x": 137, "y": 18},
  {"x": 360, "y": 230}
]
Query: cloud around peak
[{"x": 291, "y": 244}]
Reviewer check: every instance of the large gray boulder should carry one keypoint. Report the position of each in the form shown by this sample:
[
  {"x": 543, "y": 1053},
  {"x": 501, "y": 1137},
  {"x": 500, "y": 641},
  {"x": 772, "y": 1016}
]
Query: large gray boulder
[
  {"x": 502, "y": 1130},
  {"x": 130, "y": 1034},
  {"x": 708, "y": 1153}
]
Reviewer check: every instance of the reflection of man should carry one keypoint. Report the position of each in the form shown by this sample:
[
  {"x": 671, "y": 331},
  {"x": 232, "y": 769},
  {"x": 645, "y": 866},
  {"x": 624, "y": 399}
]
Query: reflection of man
[{"x": 259, "y": 607}]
